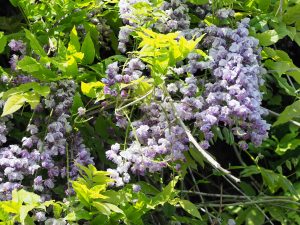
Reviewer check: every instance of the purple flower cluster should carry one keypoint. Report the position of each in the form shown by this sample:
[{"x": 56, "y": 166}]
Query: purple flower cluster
[
  {"x": 233, "y": 97},
  {"x": 81, "y": 154},
  {"x": 123, "y": 37},
  {"x": 176, "y": 18},
  {"x": 3, "y": 131},
  {"x": 16, "y": 164},
  {"x": 157, "y": 141},
  {"x": 224, "y": 13},
  {"x": 43, "y": 157},
  {"x": 157, "y": 144},
  {"x": 60, "y": 140},
  {"x": 131, "y": 72},
  {"x": 127, "y": 11},
  {"x": 17, "y": 46}
]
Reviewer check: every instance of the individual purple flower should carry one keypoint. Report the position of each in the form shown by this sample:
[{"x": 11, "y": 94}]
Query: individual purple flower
[
  {"x": 17, "y": 46},
  {"x": 136, "y": 188},
  {"x": 81, "y": 111}
]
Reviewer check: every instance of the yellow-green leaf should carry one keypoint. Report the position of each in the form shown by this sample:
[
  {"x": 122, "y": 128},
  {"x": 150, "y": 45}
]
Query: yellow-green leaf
[
  {"x": 3, "y": 41},
  {"x": 13, "y": 104},
  {"x": 89, "y": 88},
  {"x": 74, "y": 44}
]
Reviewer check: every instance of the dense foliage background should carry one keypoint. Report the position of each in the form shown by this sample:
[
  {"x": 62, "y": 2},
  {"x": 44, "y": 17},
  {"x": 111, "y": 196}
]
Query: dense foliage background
[{"x": 149, "y": 112}]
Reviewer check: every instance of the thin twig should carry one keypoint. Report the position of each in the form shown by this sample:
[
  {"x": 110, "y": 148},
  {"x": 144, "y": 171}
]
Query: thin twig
[
  {"x": 291, "y": 82},
  {"x": 238, "y": 155},
  {"x": 247, "y": 197},
  {"x": 196, "y": 186},
  {"x": 248, "y": 203},
  {"x": 237, "y": 196},
  {"x": 135, "y": 101}
]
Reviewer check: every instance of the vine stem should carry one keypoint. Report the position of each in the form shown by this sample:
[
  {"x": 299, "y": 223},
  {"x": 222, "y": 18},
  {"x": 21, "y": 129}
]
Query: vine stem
[
  {"x": 262, "y": 198},
  {"x": 247, "y": 203},
  {"x": 204, "y": 153},
  {"x": 135, "y": 101},
  {"x": 201, "y": 197},
  {"x": 249, "y": 199}
]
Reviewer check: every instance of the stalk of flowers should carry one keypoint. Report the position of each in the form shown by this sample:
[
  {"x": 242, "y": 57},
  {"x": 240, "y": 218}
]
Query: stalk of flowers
[
  {"x": 233, "y": 97},
  {"x": 43, "y": 157}
]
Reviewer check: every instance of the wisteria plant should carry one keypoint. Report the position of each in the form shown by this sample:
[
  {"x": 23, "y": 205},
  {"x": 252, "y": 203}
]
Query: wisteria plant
[{"x": 149, "y": 112}]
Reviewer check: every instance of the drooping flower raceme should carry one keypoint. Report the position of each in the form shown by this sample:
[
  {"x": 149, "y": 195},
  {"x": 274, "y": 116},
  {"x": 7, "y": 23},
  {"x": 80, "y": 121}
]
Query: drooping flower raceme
[{"x": 233, "y": 97}]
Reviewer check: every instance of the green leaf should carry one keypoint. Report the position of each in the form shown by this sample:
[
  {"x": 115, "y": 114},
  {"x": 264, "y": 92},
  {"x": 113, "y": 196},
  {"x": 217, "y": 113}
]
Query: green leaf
[
  {"x": 17, "y": 90},
  {"x": 3, "y": 41},
  {"x": 114, "y": 208},
  {"x": 142, "y": 88},
  {"x": 101, "y": 127},
  {"x": 71, "y": 68},
  {"x": 36, "y": 69},
  {"x": 78, "y": 214},
  {"x": 24, "y": 210},
  {"x": 198, "y": 2},
  {"x": 255, "y": 217},
  {"x": 102, "y": 208},
  {"x": 14, "y": 2},
  {"x": 88, "y": 89},
  {"x": 285, "y": 85},
  {"x": 41, "y": 90},
  {"x": 10, "y": 207},
  {"x": 292, "y": 14},
  {"x": 190, "y": 208},
  {"x": 148, "y": 188},
  {"x": 82, "y": 193},
  {"x": 268, "y": 37},
  {"x": 263, "y": 4},
  {"x": 289, "y": 113},
  {"x": 99, "y": 219},
  {"x": 77, "y": 102},
  {"x": 13, "y": 104},
  {"x": 34, "y": 44},
  {"x": 247, "y": 188},
  {"x": 197, "y": 156},
  {"x": 32, "y": 98},
  {"x": 280, "y": 67},
  {"x": 23, "y": 196},
  {"x": 167, "y": 193},
  {"x": 284, "y": 67},
  {"x": 74, "y": 44},
  {"x": 57, "y": 210},
  {"x": 3, "y": 215},
  {"x": 88, "y": 49}
]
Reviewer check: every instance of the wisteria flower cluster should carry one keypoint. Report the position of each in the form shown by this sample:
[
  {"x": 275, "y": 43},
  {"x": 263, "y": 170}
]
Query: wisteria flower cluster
[
  {"x": 231, "y": 97},
  {"x": 43, "y": 152}
]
